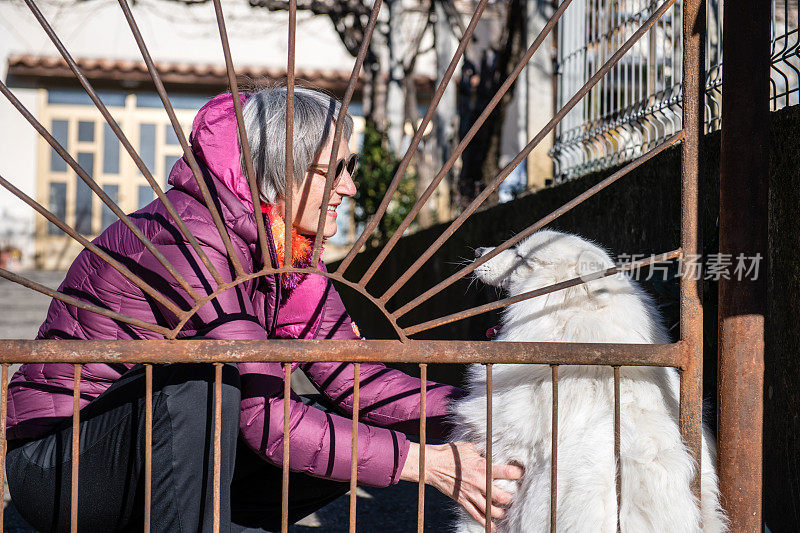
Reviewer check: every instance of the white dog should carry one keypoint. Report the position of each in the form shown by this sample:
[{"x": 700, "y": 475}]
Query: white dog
[{"x": 657, "y": 469}]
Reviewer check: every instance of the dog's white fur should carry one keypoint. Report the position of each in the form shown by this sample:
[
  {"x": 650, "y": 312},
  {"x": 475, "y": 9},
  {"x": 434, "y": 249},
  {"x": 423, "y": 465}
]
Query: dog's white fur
[{"x": 657, "y": 469}]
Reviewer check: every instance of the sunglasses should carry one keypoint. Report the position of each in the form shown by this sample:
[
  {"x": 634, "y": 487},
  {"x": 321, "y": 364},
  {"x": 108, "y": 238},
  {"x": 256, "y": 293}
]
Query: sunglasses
[{"x": 351, "y": 164}]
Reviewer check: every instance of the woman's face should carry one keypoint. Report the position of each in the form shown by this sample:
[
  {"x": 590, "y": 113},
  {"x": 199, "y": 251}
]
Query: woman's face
[{"x": 307, "y": 198}]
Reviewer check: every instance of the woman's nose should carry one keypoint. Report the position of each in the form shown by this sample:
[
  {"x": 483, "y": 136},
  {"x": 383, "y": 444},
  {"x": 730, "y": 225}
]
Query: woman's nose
[{"x": 346, "y": 187}]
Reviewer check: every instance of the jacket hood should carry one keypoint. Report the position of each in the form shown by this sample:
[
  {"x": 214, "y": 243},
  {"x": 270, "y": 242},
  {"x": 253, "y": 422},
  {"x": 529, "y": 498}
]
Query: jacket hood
[{"x": 215, "y": 144}]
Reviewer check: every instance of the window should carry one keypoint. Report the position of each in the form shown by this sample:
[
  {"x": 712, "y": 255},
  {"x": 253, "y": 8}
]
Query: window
[
  {"x": 84, "y": 196},
  {"x": 147, "y": 145},
  {"x": 108, "y": 217},
  {"x": 57, "y": 205},
  {"x": 110, "y": 151},
  {"x": 145, "y": 195},
  {"x": 86, "y": 131},
  {"x": 59, "y": 130},
  {"x": 79, "y": 127}
]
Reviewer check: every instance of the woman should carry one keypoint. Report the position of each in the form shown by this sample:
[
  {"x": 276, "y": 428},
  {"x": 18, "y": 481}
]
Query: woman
[{"x": 289, "y": 306}]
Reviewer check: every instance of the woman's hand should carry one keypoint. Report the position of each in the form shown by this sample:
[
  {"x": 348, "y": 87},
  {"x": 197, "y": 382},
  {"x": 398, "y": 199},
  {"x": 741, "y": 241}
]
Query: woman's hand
[{"x": 459, "y": 471}]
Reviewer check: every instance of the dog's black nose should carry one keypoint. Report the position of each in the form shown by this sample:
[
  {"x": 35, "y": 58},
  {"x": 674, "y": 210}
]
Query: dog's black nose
[{"x": 480, "y": 251}]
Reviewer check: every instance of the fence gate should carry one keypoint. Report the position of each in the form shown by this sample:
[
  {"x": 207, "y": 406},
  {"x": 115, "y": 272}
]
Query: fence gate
[{"x": 684, "y": 355}]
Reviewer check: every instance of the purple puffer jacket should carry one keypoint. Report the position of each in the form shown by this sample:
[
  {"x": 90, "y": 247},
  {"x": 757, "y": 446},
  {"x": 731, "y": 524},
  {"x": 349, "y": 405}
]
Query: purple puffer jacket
[{"x": 40, "y": 395}]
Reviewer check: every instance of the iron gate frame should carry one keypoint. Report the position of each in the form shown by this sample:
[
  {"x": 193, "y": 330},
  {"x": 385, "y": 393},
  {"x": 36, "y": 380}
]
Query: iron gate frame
[{"x": 685, "y": 355}]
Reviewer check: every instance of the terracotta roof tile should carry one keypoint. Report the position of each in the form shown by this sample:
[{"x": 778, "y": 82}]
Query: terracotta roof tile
[{"x": 209, "y": 76}]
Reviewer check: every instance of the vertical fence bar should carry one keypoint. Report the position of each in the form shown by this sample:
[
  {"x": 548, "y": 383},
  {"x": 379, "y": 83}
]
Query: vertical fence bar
[
  {"x": 489, "y": 448},
  {"x": 217, "y": 440},
  {"x": 423, "y": 415},
  {"x": 691, "y": 310},
  {"x": 354, "y": 448},
  {"x": 554, "y": 451},
  {"x": 744, "y": 163},
  {"x": 617, "y": 435},
  {"x": 289, "y": 172},
  {"x": 3, "y": 412},
  {"x": 148, "y": 444},
  {"x": 76, "y": 420},
  {"x": 287, "y": 394}
]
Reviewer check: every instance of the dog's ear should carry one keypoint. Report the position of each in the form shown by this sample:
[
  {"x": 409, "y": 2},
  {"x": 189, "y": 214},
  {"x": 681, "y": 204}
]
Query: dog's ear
[{"x": 590, "y": 262}]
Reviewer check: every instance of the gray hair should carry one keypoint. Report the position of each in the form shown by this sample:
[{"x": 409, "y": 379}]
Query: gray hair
[{"x": 315, "y": 115}]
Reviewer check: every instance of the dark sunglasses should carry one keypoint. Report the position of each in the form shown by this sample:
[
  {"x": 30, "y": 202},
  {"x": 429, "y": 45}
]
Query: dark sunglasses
[{"x": 351, "y": 164}]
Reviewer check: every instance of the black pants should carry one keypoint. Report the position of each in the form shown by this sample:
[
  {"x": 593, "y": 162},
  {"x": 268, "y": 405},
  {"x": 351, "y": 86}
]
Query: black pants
[{"x": 112, "y": 456}]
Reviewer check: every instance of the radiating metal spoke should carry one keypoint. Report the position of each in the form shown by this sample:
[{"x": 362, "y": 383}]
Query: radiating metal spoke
[
  {"x": 119, "y": 267},
  {"x": 539, "y": 224},
  {"x": 98, "y": 191},
  {"x": 337, "y": 136},
  {"x": 473, "y": 206},
  {"x": 288, "y": 195},
  {"x": 401, "y": 169},
  {"x": 187, "y": 150},
  {"x": 540, "y": 292},
  {"x": 124, "y": 140},
  {"x": 462, "y": 145},
  {"x": 243, "y": 143},
  {"x": 16, "y": 278}
]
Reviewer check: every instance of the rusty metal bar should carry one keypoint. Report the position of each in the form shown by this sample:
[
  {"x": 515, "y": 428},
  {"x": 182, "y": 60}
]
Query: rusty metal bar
[
  {"x": 354, "y": 447},
  {"x": 148, "y": 444},
  {"x": 25, "y": 282},
  {"x": 217, "y": 441},
  {"x": 243, "y": 143},
  {"x": 489, "y": 416},
  {"x": 743, "y": 213},
  {"x": 691, "y": 310},
  {"x": 75, "y": 464},
  {"x": 539, "y": 224},
  {"x": 437, "y": 96},
  {"x": 430, "y": 324},
  {"x": 187, "y": 150},
  {"x": 97, "y": 190},
  {"x": 554, "y": 451},
  {"x": 337, "y": 135},
  {"x": 473, "y": 206},
  {"x": 108, "y": 118},
  {"x": 119, "y": 267},
  {"x": 288, "y": 194},
  {"x": 617, "y": 438},
  {"x": 3, "y": 413},
  {"x": 353, "y": 351},
  {"x": 462, "y": 145},
  {"x": 423, "y": 414},
  {"x": 287, "y": 397}
]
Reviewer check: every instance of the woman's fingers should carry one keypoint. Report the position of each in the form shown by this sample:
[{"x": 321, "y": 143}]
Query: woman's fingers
[
  {"x": 501, "y": 497},
  {"x": 500, "y": 471},
  {"x": 476, "y": 513}
]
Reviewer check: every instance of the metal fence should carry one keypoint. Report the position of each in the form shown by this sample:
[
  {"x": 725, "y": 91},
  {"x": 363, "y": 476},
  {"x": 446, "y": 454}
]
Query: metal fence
[
  {"x": 639, "y": 103},
  {"x": 684, "y": 355}
]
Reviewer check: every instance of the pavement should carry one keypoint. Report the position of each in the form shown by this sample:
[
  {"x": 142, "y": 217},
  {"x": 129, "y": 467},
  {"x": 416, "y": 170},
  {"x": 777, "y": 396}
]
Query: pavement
[{"x": 385, "y": 510}]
